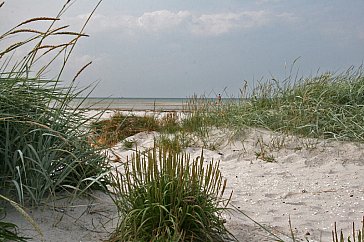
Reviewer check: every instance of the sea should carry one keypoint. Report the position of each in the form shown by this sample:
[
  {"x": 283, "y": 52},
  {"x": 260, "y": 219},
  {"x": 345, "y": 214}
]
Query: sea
[
  {"x": 139, "y": 104},
  {"x": 131, "y": 104}
]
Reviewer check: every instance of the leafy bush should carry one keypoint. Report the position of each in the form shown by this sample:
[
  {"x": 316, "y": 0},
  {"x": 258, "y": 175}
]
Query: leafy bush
[{"x": 163, "y": 196}]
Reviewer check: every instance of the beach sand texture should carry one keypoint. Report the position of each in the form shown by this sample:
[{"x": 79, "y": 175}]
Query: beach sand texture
[
  {"x": 273, "y": 177},
  {"x": 314, "y": 182}
]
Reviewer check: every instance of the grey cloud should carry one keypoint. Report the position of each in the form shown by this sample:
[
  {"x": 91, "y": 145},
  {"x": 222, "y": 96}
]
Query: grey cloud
[
  {"x": 202, "y": 24},
  {"x": 162, "y": 20},
  {"x": 216, "y": 24}
]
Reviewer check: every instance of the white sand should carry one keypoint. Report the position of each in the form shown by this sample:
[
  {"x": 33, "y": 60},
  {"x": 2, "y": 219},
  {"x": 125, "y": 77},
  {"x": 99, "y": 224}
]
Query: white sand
[
  {"x": 314, "y": 182},
  {"x": 87, "y": 219}
]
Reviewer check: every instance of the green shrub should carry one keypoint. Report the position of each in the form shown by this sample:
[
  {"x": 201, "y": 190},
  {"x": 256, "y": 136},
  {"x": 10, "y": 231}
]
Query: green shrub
[{"x": 163, "y": 196}]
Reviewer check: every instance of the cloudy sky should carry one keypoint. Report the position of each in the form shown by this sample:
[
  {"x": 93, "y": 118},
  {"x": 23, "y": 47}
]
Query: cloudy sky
[{"x": 170, "y": 48}]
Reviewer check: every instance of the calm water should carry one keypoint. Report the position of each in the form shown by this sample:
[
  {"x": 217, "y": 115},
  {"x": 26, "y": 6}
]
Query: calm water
[{"x": 137, "y": 104}]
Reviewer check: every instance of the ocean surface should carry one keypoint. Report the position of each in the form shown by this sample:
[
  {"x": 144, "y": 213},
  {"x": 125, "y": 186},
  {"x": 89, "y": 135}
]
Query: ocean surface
[
  {"x": 139, "y": 104},
  {"x": 132, "y": 104}
]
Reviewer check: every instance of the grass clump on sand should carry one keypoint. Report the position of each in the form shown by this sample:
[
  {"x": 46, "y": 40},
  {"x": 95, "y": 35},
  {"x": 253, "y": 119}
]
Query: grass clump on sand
[
  {"x": 118, "y": 127},
  {"x": 108, "y": 132},
  {"x": 43, "y": 145},
  {"x": 327, "y": 106},
  {"x": 176, "y": 142},
  {"x": 8, "y": 231},
  {"x": 164, "y": 196}
]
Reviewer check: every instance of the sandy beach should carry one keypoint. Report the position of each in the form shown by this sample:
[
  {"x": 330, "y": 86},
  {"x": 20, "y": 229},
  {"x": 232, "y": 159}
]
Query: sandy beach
[
  {"x": 84, "y": 85},
  {"x": 314, "y": 182},
  {"x": 273, "y": 177}
]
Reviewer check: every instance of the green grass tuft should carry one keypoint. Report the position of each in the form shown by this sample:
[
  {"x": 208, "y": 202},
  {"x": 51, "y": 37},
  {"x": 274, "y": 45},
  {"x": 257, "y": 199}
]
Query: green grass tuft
[
  {"x": 356, "y": 236},
  {"x": 164, "y": 196},
  {"x": 329, "y": 106},
  {"x": 43, "y": 141},
  {"x": 118, "y": 127}
]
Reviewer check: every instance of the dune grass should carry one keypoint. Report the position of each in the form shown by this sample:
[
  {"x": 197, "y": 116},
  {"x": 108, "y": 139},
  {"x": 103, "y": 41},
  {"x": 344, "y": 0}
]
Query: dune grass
[
  {"x": 108, "y": 132},
  {"x": 43, "y": 141},
  {"x": 329, "y": 106},
  {"x": 43, "y": 145},
  {"x": 118, "y": 127},
  {"x": 164, "y": 196},
  {"x": 44, "y": 148},
  {"x": 9, "y": 231},
  {"x": 356, "y": 236}
]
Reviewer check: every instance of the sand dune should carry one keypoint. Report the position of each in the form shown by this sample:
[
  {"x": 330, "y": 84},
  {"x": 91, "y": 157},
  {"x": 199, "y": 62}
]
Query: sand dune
[
  {"x": 314, "y": 182},
  {"x": 273, "y": 177}
]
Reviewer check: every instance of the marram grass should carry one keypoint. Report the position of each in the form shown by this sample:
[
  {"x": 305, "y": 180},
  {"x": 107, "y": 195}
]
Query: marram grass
[
  {"x": 357, "y": 236},
  {"x": 165, "y": 196},
  {"x": 43, "y": 142},
  {"x": 329, "y": 106},
  {"x": 111, "y": 131},
  {"x": 43, "y": 145},
  {"x": 8, "y": 231}
]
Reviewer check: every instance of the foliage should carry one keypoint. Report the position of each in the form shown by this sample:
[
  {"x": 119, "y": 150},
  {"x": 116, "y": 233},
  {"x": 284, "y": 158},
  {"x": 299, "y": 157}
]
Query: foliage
[
  {"x": 111, "y": 131},
  {"x": 327, "y": 106},
  {"x": 118, "y": 127},
  {"x": 173, "y": 142},
  {"x": 163, "y": 196},
  {"x": 169, "y": 123},
  {"x": 203, "y": 113},
  {"x": 43, "y": 140},
  {"x": 359, "y": 236},
  {"x": 8, "y": 231}
]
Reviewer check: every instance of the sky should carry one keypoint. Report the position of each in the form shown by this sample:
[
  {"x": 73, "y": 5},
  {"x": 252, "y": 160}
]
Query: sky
[{"x": 170, "y": 48}]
